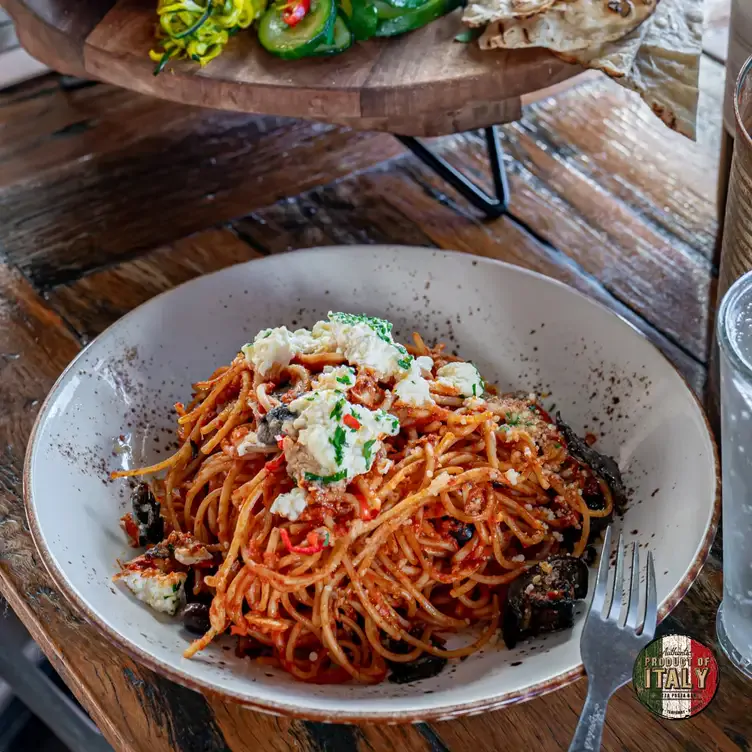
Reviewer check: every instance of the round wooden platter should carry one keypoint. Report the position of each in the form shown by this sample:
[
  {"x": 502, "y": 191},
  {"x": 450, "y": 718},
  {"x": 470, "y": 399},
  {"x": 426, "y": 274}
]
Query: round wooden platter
[{"x": 422, "y": 84}]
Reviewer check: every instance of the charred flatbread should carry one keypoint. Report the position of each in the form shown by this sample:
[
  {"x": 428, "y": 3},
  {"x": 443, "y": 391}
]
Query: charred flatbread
[{"x": 563, "y": 26}]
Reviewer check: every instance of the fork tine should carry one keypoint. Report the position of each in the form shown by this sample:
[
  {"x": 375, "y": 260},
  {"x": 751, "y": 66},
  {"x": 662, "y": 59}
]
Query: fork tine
[
  {"x": 633, "y": 609},
  {"x": 651, "y": 600},
  {"x": 601, "y": 581},
  {"x": 618, "y": 586}
]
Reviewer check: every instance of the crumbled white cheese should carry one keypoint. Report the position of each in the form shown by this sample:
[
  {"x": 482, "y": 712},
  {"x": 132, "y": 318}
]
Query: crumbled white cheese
[
  {"x": 368, "y": 342},
  {"x": 290, "y": 504},
  {"x": 461, "y": 376},
  {"x": 251, "y": 444},
  {"x": 341, "y": 377},
  {"x": 558, "y": 536},
  {"x": 331, "y": 447},
  {"x": 413, "y": 389},
  {"x": 163, "y": 592},
  {"x": 512, "y": 476},
  {"x": 279, "y": 346},
  {"x": 192, "y": 554},
  {"x": 425, "y": 363},
  {"x": 363, "y": 340},
  {"x": 519, "y": 557}
]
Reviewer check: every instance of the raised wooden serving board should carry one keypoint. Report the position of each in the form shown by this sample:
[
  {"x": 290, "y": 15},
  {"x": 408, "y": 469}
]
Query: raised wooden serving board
[{"x": 422, "y": 83}]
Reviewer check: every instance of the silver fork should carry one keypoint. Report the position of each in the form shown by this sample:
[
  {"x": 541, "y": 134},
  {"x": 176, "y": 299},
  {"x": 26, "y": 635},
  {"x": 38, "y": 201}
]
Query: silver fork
[{"x": 610, "y": 643}]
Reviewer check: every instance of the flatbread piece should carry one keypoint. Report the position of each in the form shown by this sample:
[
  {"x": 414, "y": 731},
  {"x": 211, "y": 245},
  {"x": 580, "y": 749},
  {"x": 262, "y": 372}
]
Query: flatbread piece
[{"x": 563, "y": 26}]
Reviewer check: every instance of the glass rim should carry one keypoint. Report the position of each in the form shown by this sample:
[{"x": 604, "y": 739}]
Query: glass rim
[
  {"x": 744, "y": 73},
  {"x": 727, "y": 346}
]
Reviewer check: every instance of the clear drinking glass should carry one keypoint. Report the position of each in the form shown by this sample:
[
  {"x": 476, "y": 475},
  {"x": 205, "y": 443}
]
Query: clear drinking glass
[{"x": 734, "y": 624}]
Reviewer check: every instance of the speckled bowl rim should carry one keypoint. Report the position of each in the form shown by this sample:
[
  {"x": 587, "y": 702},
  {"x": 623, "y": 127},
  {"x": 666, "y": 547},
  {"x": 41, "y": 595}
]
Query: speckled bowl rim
[{"x": 445, "y": 712}]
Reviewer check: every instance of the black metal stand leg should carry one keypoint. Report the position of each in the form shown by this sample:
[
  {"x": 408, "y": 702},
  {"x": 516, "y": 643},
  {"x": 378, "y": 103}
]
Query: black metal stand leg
[{"x": 492, "y": 207}]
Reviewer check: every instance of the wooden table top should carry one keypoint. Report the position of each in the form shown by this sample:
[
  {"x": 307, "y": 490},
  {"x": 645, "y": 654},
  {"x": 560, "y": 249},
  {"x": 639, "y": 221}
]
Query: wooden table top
[{"x": 108, "y": 198}]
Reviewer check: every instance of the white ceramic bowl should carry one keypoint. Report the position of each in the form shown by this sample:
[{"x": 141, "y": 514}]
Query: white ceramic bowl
[{"x": 524, "y": 331}]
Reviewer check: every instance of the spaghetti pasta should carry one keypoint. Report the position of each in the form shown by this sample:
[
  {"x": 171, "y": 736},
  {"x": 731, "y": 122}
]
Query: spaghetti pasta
[{"x": 403, "y": 525}]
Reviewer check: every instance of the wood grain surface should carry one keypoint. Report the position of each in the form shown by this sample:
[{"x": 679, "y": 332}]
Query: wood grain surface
[
  {"x": 423, "y": 83},
  {"x": 108, "y": 198}
]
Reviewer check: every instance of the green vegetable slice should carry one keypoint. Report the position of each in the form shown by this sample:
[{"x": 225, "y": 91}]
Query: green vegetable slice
[
  {"x": 364, "y": 18},
  {"x": 405, "y": 4},
  {"x": 413, "y": 19},
  {"x": 384, "y": 11},
  {"x": 342, "y": 40},
  {"x": 293, "y": 42}
]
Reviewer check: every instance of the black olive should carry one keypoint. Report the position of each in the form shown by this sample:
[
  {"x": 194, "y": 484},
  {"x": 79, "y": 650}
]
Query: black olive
[
  {"x": 462, "y": 532},
  {"x": 423, "y": 667},
  {"x": 247, "y": 647},
  {"x": 203, "y": 596},
  {"x": 542, "y": 599},
  {"x": 273, "y": 423},
  {"x": 602, "y": 465},
  {"x": 196, "y": 618},
  {"x": 146, "y": 512}
]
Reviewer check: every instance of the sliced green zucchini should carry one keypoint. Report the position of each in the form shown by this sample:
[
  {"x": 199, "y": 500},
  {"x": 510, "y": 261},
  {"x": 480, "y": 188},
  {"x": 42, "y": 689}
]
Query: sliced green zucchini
[
  {"x": 293, "y": 42},
  {"x": 384, "y": 11},
  {"x": 409, "y": 20},
  {"x": 343, "y": 38},
  {"x": 363, "y": 19},
  {"x": 405, "y": 4}
]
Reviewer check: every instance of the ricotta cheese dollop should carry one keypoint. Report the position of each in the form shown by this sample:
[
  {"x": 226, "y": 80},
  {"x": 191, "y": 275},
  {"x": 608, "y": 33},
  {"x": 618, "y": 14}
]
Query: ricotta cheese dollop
[
  {"x": 290, "y": 504},
  {"x": 463, "y": 377},
  {"x": 335, "y": 439}
]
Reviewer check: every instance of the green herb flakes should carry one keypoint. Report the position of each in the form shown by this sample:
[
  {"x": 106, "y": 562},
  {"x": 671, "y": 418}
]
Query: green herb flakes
[
  {"x": 336, "y": 412},
  {"x": 368, "y": 451},
  {"x": 382, "y": 327},
  {"x": 339, "y": 442},
  {"x": 326, "y": 479},
  {"x": 405, "y": 362}
]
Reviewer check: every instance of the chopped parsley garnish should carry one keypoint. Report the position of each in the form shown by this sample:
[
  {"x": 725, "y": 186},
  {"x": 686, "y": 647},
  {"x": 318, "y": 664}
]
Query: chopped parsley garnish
[
  {"x": 175, "y": 588},
  {"x": 557, "y": 445},
  {"x": 367, "y": 452},
  {"x": 355, "y": 414},
  {"x": 381, "y": 327},
  {"x": 336, "y": 412},
  {"x": 344, "y": 380},
  {"x": 475, "y": 387},
  {"x": 513, "y": 419},
  {"x": 405, "y": 362},
  {"x": 267, "y": 333},
  {"x": 341, "y": 475},
  {"x": 309, "y": 399},
  {"x": 339, "y": 442},
  {"x": 395, "y": 422}
]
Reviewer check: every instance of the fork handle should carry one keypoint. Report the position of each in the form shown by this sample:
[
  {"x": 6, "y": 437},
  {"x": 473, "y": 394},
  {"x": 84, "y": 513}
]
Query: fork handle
[{"x": 587, "y": 736}]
